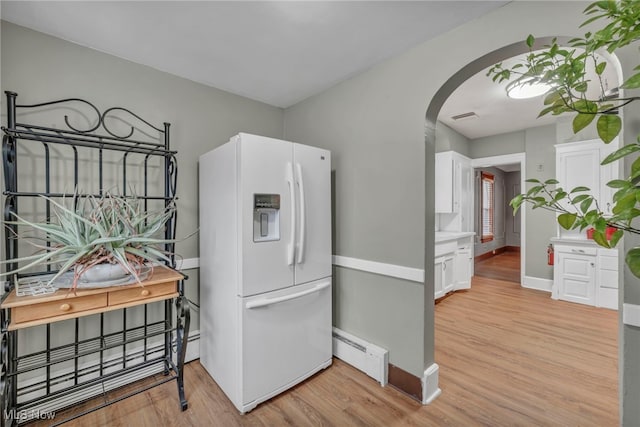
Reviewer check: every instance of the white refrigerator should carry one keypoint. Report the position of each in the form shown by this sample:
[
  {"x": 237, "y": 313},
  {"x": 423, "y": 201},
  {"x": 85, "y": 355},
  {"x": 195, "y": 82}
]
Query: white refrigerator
[{"x": 265, "y": 266}]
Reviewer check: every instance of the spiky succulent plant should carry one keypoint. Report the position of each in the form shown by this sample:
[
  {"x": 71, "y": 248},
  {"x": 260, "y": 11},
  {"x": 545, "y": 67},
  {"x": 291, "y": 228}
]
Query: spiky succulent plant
[{"x": 111, "y": 229}]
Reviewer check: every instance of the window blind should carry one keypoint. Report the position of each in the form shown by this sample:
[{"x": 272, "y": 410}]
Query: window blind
[{"x": 487, "y": 205}]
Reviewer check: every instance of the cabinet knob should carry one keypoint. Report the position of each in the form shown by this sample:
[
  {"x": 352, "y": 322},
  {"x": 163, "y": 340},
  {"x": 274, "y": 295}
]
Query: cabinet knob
[
  {"x": 145, "y": 292},
  {"x": 65, "y": 307},
  {"x": 592, "y": 264}
]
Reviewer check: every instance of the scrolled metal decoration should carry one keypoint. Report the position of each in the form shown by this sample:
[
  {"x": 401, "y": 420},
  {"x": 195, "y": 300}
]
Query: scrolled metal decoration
[
  {"x": 115, "y": 135},
  {"x": 66, "y": 118},
  {"x": 101, "y": 118}
]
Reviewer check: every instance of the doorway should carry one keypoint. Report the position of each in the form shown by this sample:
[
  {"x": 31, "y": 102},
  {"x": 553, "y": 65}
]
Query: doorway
[
  {"x": 496, "y": 298},
  {"x": 500, "y": 247}
]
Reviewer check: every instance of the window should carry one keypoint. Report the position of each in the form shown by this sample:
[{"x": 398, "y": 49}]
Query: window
[{"x": 488, "y": 203}]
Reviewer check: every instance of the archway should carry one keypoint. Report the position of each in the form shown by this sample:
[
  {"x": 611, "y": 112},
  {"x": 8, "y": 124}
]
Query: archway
[{"x": 431, "y": 117}]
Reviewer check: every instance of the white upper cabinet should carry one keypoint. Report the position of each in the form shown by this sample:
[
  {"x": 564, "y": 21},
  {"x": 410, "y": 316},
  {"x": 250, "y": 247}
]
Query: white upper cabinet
[
  {"x": 444, "y": 183},
  {"x": 454, "y": 191},
  {"x": 578, "y": 165}
]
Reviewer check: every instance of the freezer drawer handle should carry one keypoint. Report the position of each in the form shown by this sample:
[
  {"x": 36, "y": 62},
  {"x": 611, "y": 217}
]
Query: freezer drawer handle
[{"x": 270, "y": 301}]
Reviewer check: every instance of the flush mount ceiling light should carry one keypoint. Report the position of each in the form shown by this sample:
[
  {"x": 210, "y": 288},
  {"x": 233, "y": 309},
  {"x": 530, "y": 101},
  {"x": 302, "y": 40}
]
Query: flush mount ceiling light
[{"x": 527, "y": 89}]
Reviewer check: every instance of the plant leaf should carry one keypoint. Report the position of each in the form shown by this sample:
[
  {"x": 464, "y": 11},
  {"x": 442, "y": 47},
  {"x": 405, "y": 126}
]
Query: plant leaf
[
  {"x": 615, "y": 238},
  {"x": 608, "y": 127},
  {"x": 618, "y": 183},
  {"x": 600, "y": 238},
  {"x": 581, "y": 121},
  {"x": 578, "y": 189},
  {"x": 633, "y": 261},
  {"x": 566, "y": 220},
  {"x": 632, "y": 82},
  {"x": 586, "y": 204},
  {"x": 530, "y": 40},
  {"x": 621, "y": 152}
]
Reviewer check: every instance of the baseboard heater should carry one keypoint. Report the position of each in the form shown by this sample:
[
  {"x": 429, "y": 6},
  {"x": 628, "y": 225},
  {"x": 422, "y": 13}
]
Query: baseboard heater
[{"x": 367, "y": 357}]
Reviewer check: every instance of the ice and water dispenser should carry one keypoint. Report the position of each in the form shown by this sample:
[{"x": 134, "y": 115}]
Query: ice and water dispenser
[{"x": 266, "y": 217}]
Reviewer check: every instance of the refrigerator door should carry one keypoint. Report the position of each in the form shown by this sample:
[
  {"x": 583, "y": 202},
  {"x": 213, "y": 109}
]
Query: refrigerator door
[
  {"x": 313, "y": 204},
  {"x": 286, "y": 337},
  {"x": 265, "y": 171}
]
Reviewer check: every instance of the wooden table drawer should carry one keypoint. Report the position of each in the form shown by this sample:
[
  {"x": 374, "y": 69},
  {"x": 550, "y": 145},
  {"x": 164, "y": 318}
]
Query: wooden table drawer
[
  {"x": 141, "y": 292},
  {"x": 59, "y": 307}
]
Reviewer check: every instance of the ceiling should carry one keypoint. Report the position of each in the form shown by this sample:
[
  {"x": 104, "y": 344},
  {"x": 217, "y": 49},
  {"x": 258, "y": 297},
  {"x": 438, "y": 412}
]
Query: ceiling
[
  {"x": 277, "y": 52},
  {"x": 496, "y": 113},
  {"x": 280, "y": 52}
]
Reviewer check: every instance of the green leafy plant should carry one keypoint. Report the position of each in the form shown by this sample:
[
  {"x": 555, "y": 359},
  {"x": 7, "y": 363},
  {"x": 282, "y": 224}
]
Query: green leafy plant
[
  {"x": 566, "y": 71},
  {"x": 90, "y": 231}
]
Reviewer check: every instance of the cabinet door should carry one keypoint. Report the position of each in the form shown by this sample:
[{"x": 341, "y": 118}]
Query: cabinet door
[
  {"x": 608, "y": 173},
  {"x": 577, "y": 168},
  {"x": 607, "y": 279},
  {"x": 438, "y": 278},
  {"x": 466, "y": 197},
  {"x": 463, "y": 263},
  {"x": 576, "y": 278},
  {"x": 447, "y": 274},
  {"x": 444, "y": 182}
]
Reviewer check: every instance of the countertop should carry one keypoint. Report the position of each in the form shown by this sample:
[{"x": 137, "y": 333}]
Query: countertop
[
  {"x": 567, "y": 241},
  {"x": 447, "y": 236}
]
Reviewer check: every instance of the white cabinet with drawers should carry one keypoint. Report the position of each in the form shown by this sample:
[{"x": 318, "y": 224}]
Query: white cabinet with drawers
[
  {"x": 585, "y": 273},
  {"x": 453, "y": 264}
]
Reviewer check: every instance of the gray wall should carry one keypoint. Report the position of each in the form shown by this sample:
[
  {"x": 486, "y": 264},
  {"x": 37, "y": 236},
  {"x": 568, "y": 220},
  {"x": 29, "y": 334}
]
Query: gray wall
[
  {"x": 511, "y": 222},
  {"x": 538, "y": 145},
  {"x": 448, "y": 139},
  {"x": 43, "y": 68},
  {"x": 374, "y": 124},
  {"x": 629, "y": 337},
  {"x": 499, "y": 237},
  {"x": 495, "y": 145}
]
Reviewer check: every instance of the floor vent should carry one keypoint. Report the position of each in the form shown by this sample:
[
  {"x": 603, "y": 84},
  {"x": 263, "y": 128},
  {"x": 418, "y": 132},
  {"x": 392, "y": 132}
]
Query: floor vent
[{"x": 367, "y": 357}]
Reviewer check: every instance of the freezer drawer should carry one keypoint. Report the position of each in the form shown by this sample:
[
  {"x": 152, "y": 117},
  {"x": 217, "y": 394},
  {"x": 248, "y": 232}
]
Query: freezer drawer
[{"x": 286, "y": 338}]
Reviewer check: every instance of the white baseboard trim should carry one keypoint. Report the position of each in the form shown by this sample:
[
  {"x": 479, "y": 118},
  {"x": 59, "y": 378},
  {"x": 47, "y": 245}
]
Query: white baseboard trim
[
  {"x": 631, "y": 314},
  {"x": 537, "y": 283},
  {"x": 187, "y": 263},
  {"x": 392, "y": 270},
  {"x": 430, "y": 389}
]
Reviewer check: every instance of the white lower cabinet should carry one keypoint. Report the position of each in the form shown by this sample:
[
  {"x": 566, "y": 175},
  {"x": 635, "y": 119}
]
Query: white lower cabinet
[
  {"x": 607, "y": 276},
  {"x": 438, "y": 281},
  {"x": 586, "y": 274},
  {"x": 444, "y": 272},
  {"x": 463, "y": 267},
  {"x": 453, "y": 265}
]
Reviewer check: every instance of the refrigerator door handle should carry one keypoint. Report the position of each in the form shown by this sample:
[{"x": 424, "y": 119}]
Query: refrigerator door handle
[
  {"x": 269, "y": 301},
  {"x": 292, "y": 191},
  {"x": 303, "y": 231}
]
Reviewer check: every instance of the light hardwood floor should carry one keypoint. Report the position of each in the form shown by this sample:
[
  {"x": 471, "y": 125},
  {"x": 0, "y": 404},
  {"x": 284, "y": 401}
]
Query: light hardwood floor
[
  {"x": 508, "y": 357},
  {"x": 504, "y": 266}
]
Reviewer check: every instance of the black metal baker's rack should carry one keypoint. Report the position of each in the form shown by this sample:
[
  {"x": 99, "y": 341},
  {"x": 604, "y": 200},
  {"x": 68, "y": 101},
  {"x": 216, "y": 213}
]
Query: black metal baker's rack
[{"x": 160, "y": 345}]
